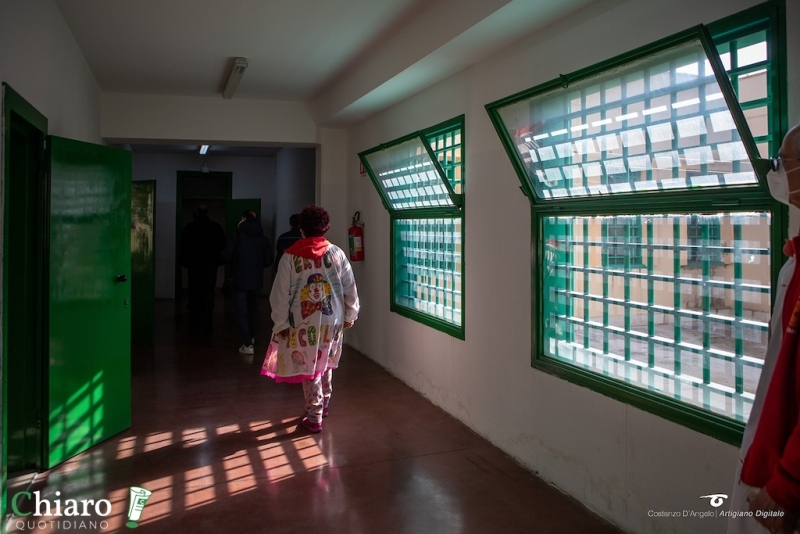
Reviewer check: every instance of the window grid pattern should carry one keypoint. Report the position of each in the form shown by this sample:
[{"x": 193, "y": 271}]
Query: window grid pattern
[
  {"x": 428, "y": 266},
  {"x": 447, "y": 149},
  {"x": 623, "y": 235},
  {"x": 696, "y": 336},
  {"x": 408, "y": 176},
  {"x": 746, "y": 59},
  {"x": 664, "y": 126},
  {"x": 427, "y": 256},
  {"x": 690, "y": 323},
  {"x": 705, "y": 238}
]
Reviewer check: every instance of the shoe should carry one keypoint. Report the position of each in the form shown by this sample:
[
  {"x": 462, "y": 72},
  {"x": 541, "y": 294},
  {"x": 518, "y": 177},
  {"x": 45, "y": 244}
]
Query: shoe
[
  {"x": 246, "y": 349},
  {"x": 314, "y": 428},
  {"x": 325, "y": 412}
]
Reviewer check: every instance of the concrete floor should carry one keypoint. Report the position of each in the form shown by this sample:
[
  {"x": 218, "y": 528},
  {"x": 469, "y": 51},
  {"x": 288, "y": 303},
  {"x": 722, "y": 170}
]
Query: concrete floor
[{"x": 221, "y": 450}]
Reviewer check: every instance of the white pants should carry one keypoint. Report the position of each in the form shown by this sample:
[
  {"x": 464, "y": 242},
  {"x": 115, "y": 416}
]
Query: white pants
[{"x": 318, "y": 394}]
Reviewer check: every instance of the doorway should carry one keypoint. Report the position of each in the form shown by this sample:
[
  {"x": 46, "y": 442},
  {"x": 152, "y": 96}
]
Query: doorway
[
  {"x": 25, "y": 260},
  {"x": 66, "y": 320},
  {"x": 193, "y": 189}
]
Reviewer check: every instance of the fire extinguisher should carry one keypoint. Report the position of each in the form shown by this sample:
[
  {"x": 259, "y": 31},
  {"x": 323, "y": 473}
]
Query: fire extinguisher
[{"x": 355, "y": 236}]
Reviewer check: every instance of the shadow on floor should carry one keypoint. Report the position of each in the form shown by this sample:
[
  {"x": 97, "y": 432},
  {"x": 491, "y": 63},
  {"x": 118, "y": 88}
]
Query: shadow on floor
[{"x": 220, "y": 448}]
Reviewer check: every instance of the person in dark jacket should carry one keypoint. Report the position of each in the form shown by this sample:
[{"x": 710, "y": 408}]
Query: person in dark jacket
[
  {"x": 201, "y": 244},
  {"x": 287, "y": 239},
  {"x": 249, "y": 252}
]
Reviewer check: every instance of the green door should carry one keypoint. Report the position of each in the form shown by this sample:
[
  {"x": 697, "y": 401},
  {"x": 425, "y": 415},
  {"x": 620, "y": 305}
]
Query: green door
[
  {"x": 143, "y": 262},
  {"x": 89, "y": 373}
]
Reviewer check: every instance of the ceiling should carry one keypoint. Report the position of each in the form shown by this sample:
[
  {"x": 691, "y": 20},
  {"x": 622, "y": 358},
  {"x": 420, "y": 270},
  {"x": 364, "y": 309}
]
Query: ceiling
[
  {"x": 194, "y": 150},
  {"x": 185, "y": 47},
  {"x": 349, "y": 58}
]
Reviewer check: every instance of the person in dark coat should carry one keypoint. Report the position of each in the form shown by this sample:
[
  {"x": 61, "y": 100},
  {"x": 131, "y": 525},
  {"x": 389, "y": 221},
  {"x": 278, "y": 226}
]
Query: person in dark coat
[
  {"x": 287, "y": 239},
  {"x": 249, "y": 252},
  {"x": 201, "y": 244}
]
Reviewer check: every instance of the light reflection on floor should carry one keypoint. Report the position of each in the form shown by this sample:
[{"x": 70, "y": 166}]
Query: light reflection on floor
[
  {"x": 221, "y": 447},
  {"x": 198, "y": 486}
]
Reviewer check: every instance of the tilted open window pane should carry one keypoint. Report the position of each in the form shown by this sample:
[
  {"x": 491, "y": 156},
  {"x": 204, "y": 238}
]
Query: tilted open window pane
[
  {"x": 447, "y": 148},
  {"x": 428, "y": 266},
  {"x": 657, "y": 123},
  {"x": 407, "y": 176},
  {"x": 691, "y": 322},
  {"x": 747, "y": 61},
  {"x": 420, "y": 178}
]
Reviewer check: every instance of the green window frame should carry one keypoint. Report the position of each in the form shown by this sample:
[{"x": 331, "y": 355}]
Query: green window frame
[
  {"x": 623, "y": 238},
  {"x": 705, "y": 237},
  {"x": 420, "y": 178},
  {"x": 655, "y": 240}
]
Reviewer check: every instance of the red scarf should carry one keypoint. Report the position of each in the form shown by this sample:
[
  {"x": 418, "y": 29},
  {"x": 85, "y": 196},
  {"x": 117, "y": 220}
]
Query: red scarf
[
  {"x": 773, "y": 460},
  {"x": 312, "y": 248}
]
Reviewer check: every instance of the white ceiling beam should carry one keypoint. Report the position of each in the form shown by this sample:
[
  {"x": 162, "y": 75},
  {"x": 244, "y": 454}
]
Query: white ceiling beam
[{"x": 448, "y": 36}]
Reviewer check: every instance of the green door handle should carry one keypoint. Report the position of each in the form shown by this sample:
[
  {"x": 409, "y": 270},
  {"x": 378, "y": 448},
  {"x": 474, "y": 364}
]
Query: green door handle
[{"x": 122, "y": 278}]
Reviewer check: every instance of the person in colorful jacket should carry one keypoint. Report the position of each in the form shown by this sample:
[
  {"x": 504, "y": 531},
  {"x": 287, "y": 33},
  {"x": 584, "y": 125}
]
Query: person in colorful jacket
[
  {"x": 314, "y": 299},
  {"x": 768, "y": 475}
]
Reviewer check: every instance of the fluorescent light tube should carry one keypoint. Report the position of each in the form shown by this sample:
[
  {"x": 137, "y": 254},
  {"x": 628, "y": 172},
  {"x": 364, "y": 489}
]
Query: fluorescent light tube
[
  {"x": 235, "y": 77},
  {"x": 203, "y": 149}
]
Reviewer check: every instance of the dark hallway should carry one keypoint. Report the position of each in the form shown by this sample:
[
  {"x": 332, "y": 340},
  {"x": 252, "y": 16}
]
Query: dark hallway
[{"x": 220, "y": 448}]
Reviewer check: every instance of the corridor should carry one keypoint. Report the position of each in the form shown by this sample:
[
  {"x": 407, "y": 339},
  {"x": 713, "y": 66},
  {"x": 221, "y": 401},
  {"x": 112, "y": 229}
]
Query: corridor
[{"x": 220, "y": 448}]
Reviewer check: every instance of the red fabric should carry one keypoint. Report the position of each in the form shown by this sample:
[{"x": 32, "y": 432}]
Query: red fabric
[
  {"x": 773, "y": 460},
  {"x": 312, "y": 248}
]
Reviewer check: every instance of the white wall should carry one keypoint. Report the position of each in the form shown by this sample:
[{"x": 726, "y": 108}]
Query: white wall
[
  {"x": 332, "y": 182},
  {"x": 617, "y": 460},
  {"x": 253, "y": 177},
  {"x": 40, "y": 60},
  {"x": 211, "y": 120},
  {"x": 295, "y": 178}
]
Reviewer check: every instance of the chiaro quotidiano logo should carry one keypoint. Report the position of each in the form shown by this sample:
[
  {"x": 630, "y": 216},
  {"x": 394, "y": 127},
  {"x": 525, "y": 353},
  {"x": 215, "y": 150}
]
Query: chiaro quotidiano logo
[{"x": 72, "y": 514}]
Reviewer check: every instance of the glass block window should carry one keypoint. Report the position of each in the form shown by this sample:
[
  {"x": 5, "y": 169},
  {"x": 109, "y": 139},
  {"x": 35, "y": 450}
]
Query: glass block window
[
  {"x": 654, "y": 236},
  {"x": 705, "y": 238},
  {"x": 656, "y": 123},
  {"x": 409, "y": 177},
  {"x": 447, "y": 150},
  {"x": 695, "y": 335},
  {"x": 420, "y": 178},
  {"x": 746, "y": 59},
  {"x": 623, "y": 237},
  {"x": 428, "y": 259}
]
